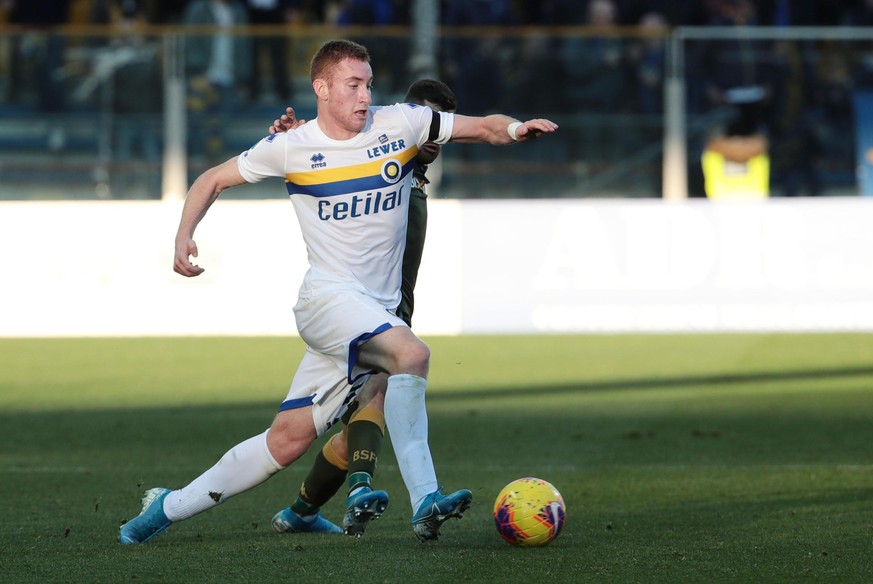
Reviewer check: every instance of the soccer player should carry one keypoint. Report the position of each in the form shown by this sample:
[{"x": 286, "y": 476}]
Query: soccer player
[
  {"x": 349, "y": 174},
  {"x": 362, "y": 435}
]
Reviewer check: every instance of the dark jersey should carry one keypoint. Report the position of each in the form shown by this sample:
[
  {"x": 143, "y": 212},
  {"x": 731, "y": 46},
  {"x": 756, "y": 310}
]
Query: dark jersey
[{"x": 415, "y": 234}]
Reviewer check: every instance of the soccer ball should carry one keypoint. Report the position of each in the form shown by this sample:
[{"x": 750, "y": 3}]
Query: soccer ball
[{"x": 529, "y": 512}]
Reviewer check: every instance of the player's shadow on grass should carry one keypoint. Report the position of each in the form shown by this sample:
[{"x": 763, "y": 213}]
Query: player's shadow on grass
[
  {"x": 690, "y": 381},
  {"x": 739, "y": 510}
]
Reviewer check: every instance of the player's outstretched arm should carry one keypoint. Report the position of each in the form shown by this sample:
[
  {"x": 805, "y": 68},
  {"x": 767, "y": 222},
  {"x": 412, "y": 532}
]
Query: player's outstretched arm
[
  {"x": 499, "y": 129},
  {"x": 200, "y": 197},
  {"x": 285, "y": 122}
]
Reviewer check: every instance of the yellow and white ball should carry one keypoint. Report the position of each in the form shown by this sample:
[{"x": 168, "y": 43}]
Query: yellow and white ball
[{"x": 529, "y": 512}]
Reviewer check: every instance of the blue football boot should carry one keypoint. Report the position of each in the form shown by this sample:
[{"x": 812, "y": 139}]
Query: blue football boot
[
  {"x": 436, "y": 508},
  {"x": 150, "y": 522}
]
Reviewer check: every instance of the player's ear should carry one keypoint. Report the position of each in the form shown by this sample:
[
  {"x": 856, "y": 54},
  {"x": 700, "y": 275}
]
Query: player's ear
[{"x": 319, "y": 86}]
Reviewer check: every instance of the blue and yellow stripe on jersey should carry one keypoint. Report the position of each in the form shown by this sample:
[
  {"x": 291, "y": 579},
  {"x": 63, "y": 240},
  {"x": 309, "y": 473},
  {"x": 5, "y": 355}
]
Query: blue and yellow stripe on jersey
[{"x": 327, "y": 182}]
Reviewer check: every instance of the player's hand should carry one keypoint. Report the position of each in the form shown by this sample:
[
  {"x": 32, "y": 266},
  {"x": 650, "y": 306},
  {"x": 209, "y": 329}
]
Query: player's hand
[
  {"x": 185, "y": 249},
  {"x": 287, "y": 121},
  {"x": 534, "y": 129}
]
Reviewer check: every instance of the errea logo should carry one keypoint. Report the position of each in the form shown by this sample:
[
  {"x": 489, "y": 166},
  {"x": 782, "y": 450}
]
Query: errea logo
[{"x": 317, "y": 160}]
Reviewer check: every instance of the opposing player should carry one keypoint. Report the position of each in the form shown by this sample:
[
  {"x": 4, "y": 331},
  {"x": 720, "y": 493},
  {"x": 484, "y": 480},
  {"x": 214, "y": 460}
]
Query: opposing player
[
  {"x": 354, "y": 451},
  {"x": 349, "y": 174}
]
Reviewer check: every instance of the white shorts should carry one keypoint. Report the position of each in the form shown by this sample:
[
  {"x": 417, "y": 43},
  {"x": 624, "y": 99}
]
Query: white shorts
[
  {"x": 319, "y": 383},
  {"x": 334, "y": 326}
]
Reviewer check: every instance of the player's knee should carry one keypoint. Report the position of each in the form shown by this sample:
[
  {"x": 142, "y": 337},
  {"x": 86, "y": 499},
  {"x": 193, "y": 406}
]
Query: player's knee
[
  {"x": 286, "y": 450},
  {"x": 287, "y": 441},
  {"x": 415, "y": 359}
]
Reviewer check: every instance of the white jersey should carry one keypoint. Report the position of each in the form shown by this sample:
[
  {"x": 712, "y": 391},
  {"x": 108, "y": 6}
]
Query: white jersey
[{"x": 351, "y": 196}]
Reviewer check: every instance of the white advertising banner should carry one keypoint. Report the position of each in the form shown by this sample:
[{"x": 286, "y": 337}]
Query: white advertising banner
[
  {"x": 519, "y": 267},
  {"x": 640, "y": 266}
]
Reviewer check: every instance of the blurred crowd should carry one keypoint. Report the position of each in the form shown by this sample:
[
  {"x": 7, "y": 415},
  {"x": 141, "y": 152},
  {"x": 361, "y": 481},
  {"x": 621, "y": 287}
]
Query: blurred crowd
[
  {"x": 456, "y": 12},
  {"x": 798, "y": 93},
  {"x": 617, "y": 71}
]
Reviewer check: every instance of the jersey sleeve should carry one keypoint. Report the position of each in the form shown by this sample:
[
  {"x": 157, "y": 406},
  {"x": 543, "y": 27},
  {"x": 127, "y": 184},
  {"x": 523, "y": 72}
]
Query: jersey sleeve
[
  {"x": 429, "y": 125},
  {"x": 445, "y": 122},
  {"x": 264, "y": 160}
]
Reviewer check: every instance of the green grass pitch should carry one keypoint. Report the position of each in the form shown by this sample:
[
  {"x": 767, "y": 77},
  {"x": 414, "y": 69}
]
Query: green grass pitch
[{"x": 681, "y": 458}]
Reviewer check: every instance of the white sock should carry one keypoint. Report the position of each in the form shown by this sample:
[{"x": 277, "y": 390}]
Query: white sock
[
  {"x": 244, "y": 466},
  {"x": 406, "y": 418}
]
